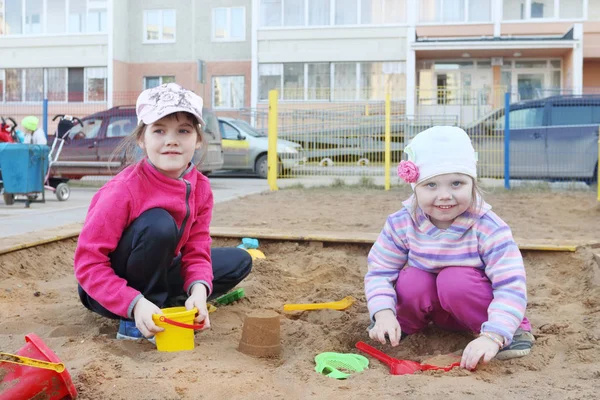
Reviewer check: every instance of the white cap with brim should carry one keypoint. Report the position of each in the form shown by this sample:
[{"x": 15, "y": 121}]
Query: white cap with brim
[{"x": 158, "y": 102}]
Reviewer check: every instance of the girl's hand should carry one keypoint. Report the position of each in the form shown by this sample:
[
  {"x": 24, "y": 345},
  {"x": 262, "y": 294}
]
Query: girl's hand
[
  {"x": 478, "y": 348},
  {"x": 386, "y": 324},
  {"x": 142, "y": 313},
  {"x": 197, "y": 299}
]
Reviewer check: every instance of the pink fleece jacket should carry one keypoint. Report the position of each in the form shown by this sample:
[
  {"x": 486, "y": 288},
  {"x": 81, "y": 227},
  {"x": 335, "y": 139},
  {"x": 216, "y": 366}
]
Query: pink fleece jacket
[{"x": 117, "y": 204}]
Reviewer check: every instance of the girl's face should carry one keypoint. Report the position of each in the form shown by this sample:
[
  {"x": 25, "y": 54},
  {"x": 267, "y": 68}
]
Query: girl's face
[
  {"x": 170, "y": 143},
  {"x": 445, "y": 197}
]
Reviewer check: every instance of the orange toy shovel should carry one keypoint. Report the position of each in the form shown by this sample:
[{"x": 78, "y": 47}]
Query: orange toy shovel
[{"x": 400, "y": 367}]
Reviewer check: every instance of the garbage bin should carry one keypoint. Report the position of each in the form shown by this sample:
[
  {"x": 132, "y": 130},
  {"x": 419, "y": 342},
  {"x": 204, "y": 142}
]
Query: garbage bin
[{"x": 23, "y": 167}]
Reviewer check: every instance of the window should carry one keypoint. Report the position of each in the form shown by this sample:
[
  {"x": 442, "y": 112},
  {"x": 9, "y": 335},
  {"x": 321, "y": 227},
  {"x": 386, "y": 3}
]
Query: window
[
  {"x": 228, "y": 132},
  {"x": 56, "y": 19},
  {"x": 293, "y": 81},
  {"x": 573, "y": 9},
  {"x": 229, "y": 24},
  {"x": 344, "y": 81},
  {"x": 14, "y": 84},
  {"x": 75, "y": 85},
  {"x": 159, "y": 26},
  {"x": 96, "y": 20},
  {"x": 95, "y": 84},
  {"x": 437, "y": 11},
  {"x": 542, "y": 9},
  {"x": 293, "y": 13},
  {"x": 89, "y": 130},
  {"x": 269, "y": 79},
  {"x": 346, "y": 12},
  {"x": 318, "y": 12},
  {"x": 318, "y": 81},
  {"x": 333, "y": 81},
  {"x": 86, "y": 16},
  {"x": 2, "y": 85},
  {"x": 325, "y": 12},
  {"x": 37, "y": 17},
  {"x": 55, "y": 84},
  {"x": 525, "y": 118},
  {"x": 154, "y": 81},
  {"x": 14, "y": 17},
  {"x": 576, "y": 114},
  {"x": 34, "y": 84},
  {"x": 228, "y": 92},
  {"x": 120, "y": 126},
  {"x": 594, "y": 10},
  {"x": 270, "y": 12},
  {"x": 33, "y": 16}
]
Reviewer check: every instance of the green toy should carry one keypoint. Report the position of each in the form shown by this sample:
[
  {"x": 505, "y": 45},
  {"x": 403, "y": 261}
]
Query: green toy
[
  {"x": 230, "y": 297},
  {"x": 340, "y": 365}
]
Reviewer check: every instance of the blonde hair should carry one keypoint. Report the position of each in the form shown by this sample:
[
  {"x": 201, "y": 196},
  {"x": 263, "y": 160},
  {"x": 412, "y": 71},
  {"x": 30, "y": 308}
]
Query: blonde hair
[
  {"x": 128, "y": 150},
  {"x": 476, "y": 194}
]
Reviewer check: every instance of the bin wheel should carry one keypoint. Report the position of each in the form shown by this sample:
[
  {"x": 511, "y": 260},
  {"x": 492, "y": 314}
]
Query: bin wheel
[
  {"x": 63, "y": 192},
  {"x": 9, "y": 199}
]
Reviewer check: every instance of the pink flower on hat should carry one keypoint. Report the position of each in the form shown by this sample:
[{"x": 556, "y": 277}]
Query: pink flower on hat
[{"x": 408, "y": 171}]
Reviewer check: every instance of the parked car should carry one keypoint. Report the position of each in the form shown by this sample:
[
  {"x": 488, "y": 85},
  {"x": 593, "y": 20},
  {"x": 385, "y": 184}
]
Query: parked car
[
  {"x": 551, "y": 138},
  {"x": 88, "y": 148},
  {"x": 245, "y": 148}
]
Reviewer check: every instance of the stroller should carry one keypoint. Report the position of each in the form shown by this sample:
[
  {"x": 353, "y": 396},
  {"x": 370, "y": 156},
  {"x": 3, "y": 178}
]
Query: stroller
[{"x": 57, "y": 185}]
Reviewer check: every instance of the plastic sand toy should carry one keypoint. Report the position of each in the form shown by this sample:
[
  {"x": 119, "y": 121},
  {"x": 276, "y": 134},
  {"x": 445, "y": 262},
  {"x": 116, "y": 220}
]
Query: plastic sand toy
[
  {"x": 230, "y": 297},
  {"x": 30, "y": 362},
  {"x": 340, "y": 365},
  {"x": 400, "y": 367},
  {"x": 251, "y": 246},
  {"x": 334, "y": 305}
]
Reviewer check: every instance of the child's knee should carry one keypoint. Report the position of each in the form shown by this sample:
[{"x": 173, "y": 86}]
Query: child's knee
[{"x": 157, "y": 225}]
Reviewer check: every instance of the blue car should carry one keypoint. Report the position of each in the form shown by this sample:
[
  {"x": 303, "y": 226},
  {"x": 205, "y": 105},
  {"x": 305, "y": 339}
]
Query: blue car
[{"x": 550, "y": 138}]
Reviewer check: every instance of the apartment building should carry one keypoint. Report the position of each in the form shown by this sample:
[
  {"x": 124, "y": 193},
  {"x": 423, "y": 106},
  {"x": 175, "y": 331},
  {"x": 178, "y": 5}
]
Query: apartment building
[{"x": 432, "y": 56}]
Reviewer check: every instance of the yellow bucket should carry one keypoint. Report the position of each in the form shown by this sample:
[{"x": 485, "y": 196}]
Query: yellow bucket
[{"x": 179, "y": 329}]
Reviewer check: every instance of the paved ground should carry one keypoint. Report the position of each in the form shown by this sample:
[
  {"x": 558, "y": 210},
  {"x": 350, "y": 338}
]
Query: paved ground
[{"x": 16, "y": 219}]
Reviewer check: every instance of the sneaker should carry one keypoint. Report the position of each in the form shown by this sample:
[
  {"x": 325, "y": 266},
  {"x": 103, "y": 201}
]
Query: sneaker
[
  {"x": 519, "y": 347},
  {"x": 128, "y": 331}
]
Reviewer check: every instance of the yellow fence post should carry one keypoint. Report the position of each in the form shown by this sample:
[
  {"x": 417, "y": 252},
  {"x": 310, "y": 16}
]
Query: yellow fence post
[
  {"x": 272, "y": 151},
  {"x": 388, "y": 139}
]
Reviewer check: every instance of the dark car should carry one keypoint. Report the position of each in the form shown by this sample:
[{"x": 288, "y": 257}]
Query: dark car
[
  {"x": 88, "y": 148},
  {"x": 551, "y": 138}
]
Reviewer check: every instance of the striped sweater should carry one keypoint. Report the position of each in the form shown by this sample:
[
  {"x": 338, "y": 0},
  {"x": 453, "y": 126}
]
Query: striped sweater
[{"x": 481, "y": 241}]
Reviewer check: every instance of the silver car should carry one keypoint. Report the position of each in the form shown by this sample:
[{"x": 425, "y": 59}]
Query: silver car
[{"x": 245, "y": 148}]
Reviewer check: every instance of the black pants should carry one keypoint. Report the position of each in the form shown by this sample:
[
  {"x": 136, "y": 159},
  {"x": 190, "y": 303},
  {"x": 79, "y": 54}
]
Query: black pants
[{"x": 144, "y": 258}]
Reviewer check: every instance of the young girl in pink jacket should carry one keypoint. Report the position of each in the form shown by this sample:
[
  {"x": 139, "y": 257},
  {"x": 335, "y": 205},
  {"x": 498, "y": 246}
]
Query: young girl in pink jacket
[{"x": 145, "y": 242}]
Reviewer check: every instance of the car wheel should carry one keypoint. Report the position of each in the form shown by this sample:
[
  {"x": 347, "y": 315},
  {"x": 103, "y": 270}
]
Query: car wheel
[{"x": 261, "y": 166}]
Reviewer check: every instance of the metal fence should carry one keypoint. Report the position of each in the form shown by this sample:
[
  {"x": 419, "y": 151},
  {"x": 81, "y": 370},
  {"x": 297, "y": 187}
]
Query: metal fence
[
  {"x": 548, "y": 134},
  {"x": 551, "y": 138}
]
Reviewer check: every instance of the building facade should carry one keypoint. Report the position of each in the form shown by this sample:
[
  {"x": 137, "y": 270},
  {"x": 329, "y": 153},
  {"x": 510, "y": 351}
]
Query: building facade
[{"x": 431, "y": 56}]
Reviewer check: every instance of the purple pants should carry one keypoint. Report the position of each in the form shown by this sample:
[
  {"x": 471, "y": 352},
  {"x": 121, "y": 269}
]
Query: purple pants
[{"x": 456, "y": 299}]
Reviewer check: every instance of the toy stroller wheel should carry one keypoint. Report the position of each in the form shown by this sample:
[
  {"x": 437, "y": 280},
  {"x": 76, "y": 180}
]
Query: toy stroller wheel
[
  {"x": 9, "y": 199},
  {"x": 63, "y": 192}
]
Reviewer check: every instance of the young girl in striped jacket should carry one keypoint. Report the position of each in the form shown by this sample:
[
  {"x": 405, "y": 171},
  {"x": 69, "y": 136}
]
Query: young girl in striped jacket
[{"x": 446, "y": 258}]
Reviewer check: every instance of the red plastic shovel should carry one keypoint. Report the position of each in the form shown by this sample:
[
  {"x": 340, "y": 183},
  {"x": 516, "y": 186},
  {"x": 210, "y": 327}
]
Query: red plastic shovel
[{"x": 400, "y": 367}]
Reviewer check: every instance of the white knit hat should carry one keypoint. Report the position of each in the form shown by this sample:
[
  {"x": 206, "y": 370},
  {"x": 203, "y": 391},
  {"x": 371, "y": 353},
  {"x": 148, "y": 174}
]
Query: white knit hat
[{"x": 436, "y": 151}]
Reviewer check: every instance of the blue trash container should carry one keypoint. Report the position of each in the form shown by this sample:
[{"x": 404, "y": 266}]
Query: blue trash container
[{"x": 23, "y": 167}]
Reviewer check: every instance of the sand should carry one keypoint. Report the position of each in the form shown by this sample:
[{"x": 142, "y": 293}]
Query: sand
[{"x": 38, "y": 294}]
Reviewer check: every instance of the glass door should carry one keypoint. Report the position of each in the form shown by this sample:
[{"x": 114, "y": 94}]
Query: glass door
[{"x": 530, "y": 85}]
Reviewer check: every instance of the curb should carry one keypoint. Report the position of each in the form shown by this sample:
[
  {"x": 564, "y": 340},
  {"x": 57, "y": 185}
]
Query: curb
[{"x": 20, "y": 242}]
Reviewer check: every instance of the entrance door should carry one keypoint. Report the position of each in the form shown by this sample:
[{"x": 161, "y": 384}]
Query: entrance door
[{"x": 530, "y": 86}]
